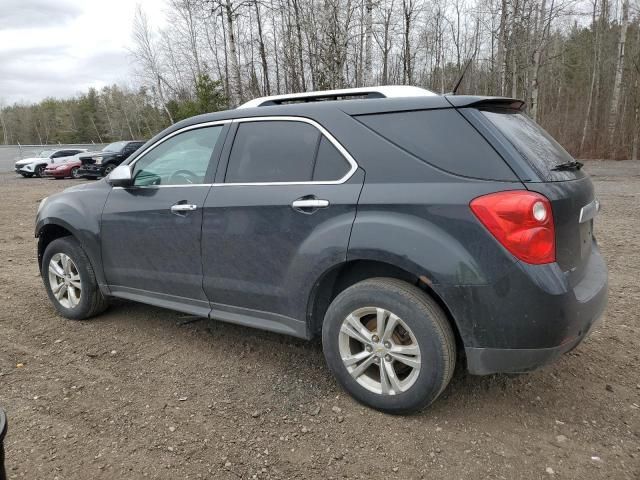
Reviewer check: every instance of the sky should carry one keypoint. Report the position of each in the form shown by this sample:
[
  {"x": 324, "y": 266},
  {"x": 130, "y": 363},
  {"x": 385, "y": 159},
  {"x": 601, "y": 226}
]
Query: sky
[{"x": 59, "y": 48}]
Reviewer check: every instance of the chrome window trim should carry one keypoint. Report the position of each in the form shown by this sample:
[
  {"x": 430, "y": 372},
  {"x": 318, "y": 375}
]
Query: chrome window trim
[
  {"x": 343, "y": 151},
  {"x": 173, "y": 134},
  {"x": 345, "y": 154}
]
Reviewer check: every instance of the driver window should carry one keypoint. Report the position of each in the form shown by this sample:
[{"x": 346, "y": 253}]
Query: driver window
[{"x": 180, "y": 160}]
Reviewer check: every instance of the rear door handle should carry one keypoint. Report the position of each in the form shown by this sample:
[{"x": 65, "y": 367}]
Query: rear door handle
[
  {"x": 310, "y": 203},
  {"x": 183, "y": 207}
]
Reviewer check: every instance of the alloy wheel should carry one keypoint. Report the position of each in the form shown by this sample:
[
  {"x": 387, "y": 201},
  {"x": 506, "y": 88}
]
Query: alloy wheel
[
  {"x": 64, "y": 280},
  {"x": 379, "y": 350}
]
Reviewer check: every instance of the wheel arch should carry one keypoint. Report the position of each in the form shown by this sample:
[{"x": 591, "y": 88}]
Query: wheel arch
[
  {"x": 342, "y": 276},
  {"x": 48, "y": 232}
]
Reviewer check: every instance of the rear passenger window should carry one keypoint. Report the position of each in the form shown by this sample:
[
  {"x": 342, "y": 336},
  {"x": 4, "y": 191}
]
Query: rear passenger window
[
  {"x": 442, "y": 138},
  {"x": 330, "y": 164},
  {"x": 273, "y": 151}
]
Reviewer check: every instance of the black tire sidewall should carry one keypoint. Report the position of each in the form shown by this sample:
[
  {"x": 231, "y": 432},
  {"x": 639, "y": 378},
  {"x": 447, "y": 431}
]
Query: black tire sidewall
[
  {"x": 39, "y": 170},
  {"x": 88, "y": 285},
  {"x": 431, "y": 378}
]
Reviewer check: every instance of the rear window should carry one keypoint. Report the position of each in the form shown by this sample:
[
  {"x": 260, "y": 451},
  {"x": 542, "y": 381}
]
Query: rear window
[
  {"x": 442, "y": 138},
  {"x": 532, "y": 142}
]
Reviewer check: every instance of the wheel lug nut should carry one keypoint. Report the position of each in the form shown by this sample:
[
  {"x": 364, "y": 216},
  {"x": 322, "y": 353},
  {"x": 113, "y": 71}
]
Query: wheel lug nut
[
  {"x": 387, "y": 344},
  {"x": 368, "y": 348},
  {"x": 375, "y": 338},
  {"x": 387, "y": 358}
]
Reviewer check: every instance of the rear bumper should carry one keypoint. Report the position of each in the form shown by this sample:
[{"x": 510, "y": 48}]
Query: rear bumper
[
  {"x": 530, "y": 317},
  {"x": 485, "y": 361}
]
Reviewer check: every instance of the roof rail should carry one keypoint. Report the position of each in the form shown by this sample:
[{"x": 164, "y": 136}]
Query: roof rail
[{"x": 386, "y": 91}]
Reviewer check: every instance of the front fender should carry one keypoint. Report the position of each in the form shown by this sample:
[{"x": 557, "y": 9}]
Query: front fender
[{"x": 78, "y": 210}]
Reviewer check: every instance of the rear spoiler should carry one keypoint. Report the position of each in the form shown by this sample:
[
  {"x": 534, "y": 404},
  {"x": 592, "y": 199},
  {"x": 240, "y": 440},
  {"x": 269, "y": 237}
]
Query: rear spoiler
[{"x": 460, "y": 101}]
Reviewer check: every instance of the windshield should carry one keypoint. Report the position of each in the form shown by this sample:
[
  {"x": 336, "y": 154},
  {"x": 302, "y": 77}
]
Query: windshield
[
  {"x": 45, "y": 153},
  {"x": 114, "y": 147},
  {"x": 530, "y": 140}
]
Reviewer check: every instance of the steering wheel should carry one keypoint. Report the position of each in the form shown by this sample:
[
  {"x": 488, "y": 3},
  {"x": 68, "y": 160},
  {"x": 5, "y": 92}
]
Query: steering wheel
[{"x": 184, "y": 176}]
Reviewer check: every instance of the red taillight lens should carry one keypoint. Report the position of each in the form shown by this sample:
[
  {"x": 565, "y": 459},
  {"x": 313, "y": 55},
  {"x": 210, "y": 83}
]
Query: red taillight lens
[{"x": 521, "y": 221}]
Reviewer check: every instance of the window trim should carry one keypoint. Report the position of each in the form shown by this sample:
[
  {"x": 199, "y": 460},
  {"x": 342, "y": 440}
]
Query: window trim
[
  {"x": 343, "y": 151},
  {"x": 131, "y": 163},
  {"x": 323, "y": 132}
]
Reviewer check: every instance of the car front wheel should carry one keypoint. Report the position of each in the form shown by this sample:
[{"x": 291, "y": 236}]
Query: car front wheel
[
  {"x": 39, "y": 171},
  {"x": 70, "y": 280},
  {"x": 389, "y": 345},
  {"x": 108, "y": 169}
]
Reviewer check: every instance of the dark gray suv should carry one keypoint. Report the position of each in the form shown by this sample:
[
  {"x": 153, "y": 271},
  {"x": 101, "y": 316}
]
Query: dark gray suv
[{"x": 410, "y": 230}]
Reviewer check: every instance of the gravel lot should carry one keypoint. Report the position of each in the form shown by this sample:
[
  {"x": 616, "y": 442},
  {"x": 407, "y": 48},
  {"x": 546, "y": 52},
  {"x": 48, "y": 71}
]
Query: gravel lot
[{"x": 144, "y": 392}]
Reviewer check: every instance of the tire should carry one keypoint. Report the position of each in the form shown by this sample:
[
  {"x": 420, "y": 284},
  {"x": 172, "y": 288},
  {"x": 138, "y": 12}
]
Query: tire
[
  {"x": 74, "y": 172},
  {"x": 90, "y": 300},
  {"x": 39, "y": 170},
  {"x": 27, "y": 175},
  {"x": 427, "y": 328},
  {"x": 108, "y": 169}
]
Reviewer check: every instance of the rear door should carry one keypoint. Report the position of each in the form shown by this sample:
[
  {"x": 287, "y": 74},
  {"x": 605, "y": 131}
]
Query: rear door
[
  {"x": 555, "y": 175},
  {"x": 280, "y": 215},
  {"x": 151, "y": 231}
]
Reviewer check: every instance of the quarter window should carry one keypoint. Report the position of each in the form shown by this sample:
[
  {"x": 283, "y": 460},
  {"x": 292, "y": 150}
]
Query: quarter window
[
  {"x": 330, "y": 164},
  {"x": 180, "y": 160}
]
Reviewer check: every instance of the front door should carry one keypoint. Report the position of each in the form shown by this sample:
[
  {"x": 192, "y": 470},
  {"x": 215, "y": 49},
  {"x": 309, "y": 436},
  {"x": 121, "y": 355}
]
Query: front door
[
  {"x": 151, "y": 231},
  {"x": 281, "y": 218}
]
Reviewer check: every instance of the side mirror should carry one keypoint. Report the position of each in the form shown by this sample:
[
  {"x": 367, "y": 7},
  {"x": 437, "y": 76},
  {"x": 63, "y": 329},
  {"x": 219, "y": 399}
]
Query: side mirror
[{"x": 120, "y": 176}]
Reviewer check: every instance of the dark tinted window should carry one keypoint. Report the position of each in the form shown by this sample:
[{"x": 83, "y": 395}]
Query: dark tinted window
[
  {"x": 442, "y": 138},
  {"x": 273, "y": 151},
  {"x": 531, "y": 141},
  {"x": 330, "y": 164},
  {"x": 180, "y": 160}
]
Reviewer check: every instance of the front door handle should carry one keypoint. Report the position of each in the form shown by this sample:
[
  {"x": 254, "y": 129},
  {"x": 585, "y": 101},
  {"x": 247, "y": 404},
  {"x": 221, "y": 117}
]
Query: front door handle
[
  {"x": 182, "y": 207},
  {"x": 310, "y": 203}
]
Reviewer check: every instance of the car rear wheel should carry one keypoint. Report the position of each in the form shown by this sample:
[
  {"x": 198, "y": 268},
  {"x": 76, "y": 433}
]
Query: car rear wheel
[
  {"x": 389, "y": 345},
  {"x": 70, "y": 280},
  {"x": 74, "y": 172},
  {"x": 39, "y": 170}
]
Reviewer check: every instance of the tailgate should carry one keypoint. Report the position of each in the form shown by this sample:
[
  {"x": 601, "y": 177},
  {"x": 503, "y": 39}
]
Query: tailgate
[
  {"x": 574, "y": 208},
  {"x": 560, "y": 179}
]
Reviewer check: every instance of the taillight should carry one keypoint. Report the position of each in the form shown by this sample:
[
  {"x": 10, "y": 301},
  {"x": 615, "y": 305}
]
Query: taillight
[{"x": 521, "y": 221}]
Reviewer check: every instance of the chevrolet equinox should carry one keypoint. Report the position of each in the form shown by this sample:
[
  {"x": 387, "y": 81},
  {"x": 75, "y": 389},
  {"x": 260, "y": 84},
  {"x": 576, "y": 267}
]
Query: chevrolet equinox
[{"x": 409, "y": 230}]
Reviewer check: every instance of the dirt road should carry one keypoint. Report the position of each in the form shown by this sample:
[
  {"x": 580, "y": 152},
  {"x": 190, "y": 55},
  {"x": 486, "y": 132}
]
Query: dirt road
[{"x": 141, "y": 392}]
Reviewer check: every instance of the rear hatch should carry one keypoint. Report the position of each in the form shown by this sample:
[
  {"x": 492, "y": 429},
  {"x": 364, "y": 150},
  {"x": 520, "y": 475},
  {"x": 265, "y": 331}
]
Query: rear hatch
[{"x": 552, "y": 172}]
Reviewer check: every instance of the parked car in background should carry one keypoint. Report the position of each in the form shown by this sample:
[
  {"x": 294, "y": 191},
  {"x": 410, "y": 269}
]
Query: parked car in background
[
  {"x": 409, "y": 233},
  {"x": 29, "y": 167},
  {"x": 68, "y": 168},
  {"x": 99, "y": 164}
]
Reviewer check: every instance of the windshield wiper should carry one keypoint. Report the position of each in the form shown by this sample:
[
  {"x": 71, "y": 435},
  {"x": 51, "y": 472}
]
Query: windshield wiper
[{"x": 573, "y": 165}]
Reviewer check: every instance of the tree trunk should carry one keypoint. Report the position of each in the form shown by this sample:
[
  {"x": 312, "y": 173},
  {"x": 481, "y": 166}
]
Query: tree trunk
[
  {"x": 236, "y": 89},
  {"x": 503, "y": 38},
  {"x": 540, "y": 37},
  {"x": 368, "y": 43},
  {"x": 263, "y": 53},
  {"x": 594, "y": 74},
  {"x": 617, "y": 84}
]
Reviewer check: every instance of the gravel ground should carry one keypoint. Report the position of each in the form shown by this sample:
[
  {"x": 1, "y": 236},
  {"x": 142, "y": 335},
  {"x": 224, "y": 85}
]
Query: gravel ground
[{"x": 144, "y": 392}]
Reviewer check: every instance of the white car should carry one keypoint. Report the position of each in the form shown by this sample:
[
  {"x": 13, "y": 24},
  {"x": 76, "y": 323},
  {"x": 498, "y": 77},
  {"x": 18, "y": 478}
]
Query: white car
[{"x": 29, "y": 167}]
